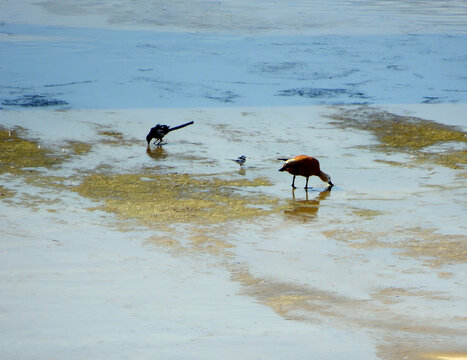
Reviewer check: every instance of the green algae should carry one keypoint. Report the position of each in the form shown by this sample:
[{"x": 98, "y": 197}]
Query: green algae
[
  {"x": 367, "y": 214},
  {"x": 152, "y": 200},
  {"x": 156, "y": 200},
  {"x": 26, "y": 159},
  {"x": 113, "y": 137},
  {"x": 24, "y": 156},
  {"x": 407, "y": 134},
  {"x": 79, "y": 147},
  {"x": 20, "y": 155}
]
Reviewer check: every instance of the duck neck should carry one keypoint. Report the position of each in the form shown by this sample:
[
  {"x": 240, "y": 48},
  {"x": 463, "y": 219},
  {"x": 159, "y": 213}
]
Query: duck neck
[{"x": 324, "y": 177}]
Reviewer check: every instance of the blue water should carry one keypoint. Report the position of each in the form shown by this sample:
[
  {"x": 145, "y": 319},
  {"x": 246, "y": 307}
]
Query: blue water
[{"x": 98, "y": 69}]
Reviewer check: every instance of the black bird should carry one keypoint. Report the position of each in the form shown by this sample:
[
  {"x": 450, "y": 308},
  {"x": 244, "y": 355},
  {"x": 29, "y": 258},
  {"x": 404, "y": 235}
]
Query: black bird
[{"x": 159, "y": 131}]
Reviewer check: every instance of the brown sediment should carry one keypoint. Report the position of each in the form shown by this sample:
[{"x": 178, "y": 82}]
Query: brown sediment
[
  {"x": 445, "y": 356},
  {"x": 403, "y": 336},
  {"x": 445, "y": 274},
  {"x": 367, "y": 214},
  {"x": 303, "y": 303},
  {"x": 6, "y": 193},
  {"x": 407, "y": 134},
  {"x": 432, "y": 248},
  {"x": 396, "y": 295},
  {"x": 424, "y": 349},
  {"x": 200, "y": 240}
]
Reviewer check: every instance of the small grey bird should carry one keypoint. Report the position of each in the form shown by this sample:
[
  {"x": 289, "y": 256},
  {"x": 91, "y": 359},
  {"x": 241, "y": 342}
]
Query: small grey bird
[{"x": 240, "y": 160}]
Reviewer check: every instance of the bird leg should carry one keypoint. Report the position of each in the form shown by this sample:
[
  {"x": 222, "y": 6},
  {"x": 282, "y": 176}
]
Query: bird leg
[
  {"x": 306, "y": 184},
  {"x": 293, "y": 182}
]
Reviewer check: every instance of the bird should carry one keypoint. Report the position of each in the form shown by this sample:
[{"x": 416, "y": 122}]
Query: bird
[
  {"x": 159, "y": 131},
  {"x": 240, "y": 160},
  {"x": 306, "y": 166}
]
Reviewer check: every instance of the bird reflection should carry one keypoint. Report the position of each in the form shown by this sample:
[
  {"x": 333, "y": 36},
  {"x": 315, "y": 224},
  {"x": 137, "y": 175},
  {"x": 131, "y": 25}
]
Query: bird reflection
[
  {"x": 156, "y": 153},
  {"x": 307, "y": 209}
]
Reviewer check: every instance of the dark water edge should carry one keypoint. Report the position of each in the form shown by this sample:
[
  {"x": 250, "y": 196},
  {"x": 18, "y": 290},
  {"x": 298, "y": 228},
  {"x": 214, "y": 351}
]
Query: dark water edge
[{"x": 70, "y": 68}]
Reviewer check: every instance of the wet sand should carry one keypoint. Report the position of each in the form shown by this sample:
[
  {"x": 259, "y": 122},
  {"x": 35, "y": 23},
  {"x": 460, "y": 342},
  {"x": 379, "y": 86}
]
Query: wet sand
[{"x": 113, "y": 250}]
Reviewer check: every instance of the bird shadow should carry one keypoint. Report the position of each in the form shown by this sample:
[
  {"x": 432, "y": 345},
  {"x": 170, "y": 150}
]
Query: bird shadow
[
  {"x": 307, "y": 209},
  {"x": 157, "y": 152}
]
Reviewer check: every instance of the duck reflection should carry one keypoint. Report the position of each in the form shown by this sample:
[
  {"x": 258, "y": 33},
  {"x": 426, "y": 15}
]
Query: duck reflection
[
  {"x": 307, "y": 209},
  {"x": 156, "y": 153}
]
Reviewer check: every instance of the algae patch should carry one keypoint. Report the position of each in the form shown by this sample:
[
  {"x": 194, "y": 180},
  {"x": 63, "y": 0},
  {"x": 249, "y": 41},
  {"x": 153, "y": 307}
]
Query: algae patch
[
  {"x": 19, "y": 154},
  {"x": 112, "y": 137},
  {"x": 79, "y": 147},
  {"x": 159, "y": 200},
  {"x": 408, "y": 134}
]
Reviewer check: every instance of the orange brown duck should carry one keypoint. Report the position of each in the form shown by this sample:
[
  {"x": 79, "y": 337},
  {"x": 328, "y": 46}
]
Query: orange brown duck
[{"x": 306, "y": 166}]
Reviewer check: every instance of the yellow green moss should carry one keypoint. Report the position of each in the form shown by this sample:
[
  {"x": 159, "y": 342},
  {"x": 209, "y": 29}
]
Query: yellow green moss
[
  {"x": 113, "y": 137},
  {"x": 175, "y": 198},
  {"x": 367, "y": 213},
  {"x": 407, "y": 134},
  {"x": 79, "y": 147},
  {"x": 19, "y": 154}
]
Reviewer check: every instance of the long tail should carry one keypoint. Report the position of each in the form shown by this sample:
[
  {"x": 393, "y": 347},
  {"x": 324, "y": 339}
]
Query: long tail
[{"x": 180, "y": 126}]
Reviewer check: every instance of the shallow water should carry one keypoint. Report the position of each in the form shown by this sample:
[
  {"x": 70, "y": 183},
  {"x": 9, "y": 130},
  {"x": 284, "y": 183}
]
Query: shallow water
[
  {"x": 110, "y": 249},
  {"x": 379, "y": 258}
]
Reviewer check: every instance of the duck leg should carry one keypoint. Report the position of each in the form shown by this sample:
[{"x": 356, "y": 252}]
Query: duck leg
[{"x": 293, "y": 182}]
